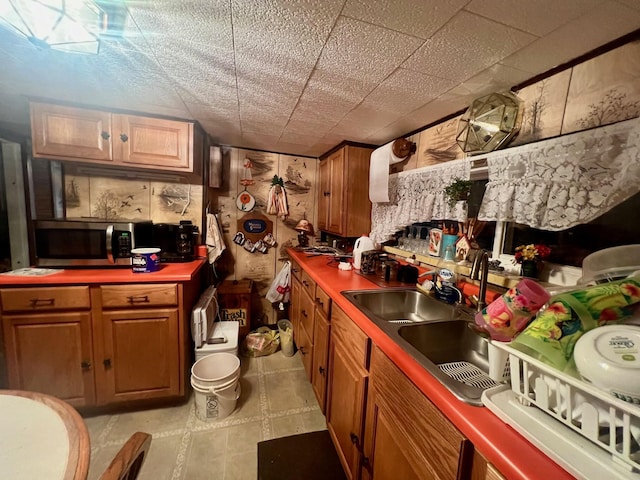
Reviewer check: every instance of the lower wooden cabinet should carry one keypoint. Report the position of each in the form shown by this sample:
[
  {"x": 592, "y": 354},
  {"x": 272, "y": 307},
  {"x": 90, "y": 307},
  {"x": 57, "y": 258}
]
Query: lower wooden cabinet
[
  {"x": 406, "y": 436},
  {"x": 321, "y": 330},
  {"x": 133, "y": 373},
  {"x": 51, "y": 353},
  {"x": 99, "y": 345},
  {"x": 347, "y": 390}
]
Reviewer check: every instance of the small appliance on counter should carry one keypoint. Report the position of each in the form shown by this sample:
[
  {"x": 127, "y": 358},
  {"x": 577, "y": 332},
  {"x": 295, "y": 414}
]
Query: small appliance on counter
[
  {"x": 89, "y": 242},
  {"x": 177, "y": 242}
]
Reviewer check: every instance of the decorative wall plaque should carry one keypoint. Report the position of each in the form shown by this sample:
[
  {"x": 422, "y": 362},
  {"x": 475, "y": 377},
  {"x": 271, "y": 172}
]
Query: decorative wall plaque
[{"x": 255, "y": 226}]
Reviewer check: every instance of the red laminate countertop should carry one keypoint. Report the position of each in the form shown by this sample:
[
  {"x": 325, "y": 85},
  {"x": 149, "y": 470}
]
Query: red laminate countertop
[
  {"x": 168, "y": 272},
  {"x": 510, "y": 452}
]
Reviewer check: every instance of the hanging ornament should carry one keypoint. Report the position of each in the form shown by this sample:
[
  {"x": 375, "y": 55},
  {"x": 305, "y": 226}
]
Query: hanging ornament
[
  {"x": 245, "y": 201},
  {"x": 277, "y": 199},
  {"x": 247, "y": 178}
]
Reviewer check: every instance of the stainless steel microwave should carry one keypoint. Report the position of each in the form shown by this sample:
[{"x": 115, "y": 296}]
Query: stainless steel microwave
[{"x": 89, "y": 242}]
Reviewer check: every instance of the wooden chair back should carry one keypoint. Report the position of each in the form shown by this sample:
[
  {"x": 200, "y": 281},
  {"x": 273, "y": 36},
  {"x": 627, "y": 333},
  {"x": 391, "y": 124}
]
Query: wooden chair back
[{"x": 128, "y": 461}]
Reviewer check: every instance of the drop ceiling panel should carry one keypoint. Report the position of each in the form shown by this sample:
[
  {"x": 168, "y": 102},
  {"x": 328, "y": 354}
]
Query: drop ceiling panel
[
  {"x": 420, "y": 18},
  {"x": 465, "y": 46},
  {"x": 604, "y": 24},
  {"x": 300, "y": 77},
  {"x": 538, "y": 17}
]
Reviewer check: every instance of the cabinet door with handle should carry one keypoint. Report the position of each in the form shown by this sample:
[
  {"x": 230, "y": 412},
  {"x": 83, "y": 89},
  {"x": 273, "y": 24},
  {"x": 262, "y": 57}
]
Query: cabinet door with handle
[
  {"x": 155, "y": 142},
  {"x": 51, "y": 353},
  {"x": 70, "y": 133},
  {"x": 140, "y": 355},
  {"x": 345, "y": 407},
  {"x": 320, "y": 358}
]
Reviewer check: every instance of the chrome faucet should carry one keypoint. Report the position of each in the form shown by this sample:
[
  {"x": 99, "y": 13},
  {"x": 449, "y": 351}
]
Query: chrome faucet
[{"x": 480, "y": 271}]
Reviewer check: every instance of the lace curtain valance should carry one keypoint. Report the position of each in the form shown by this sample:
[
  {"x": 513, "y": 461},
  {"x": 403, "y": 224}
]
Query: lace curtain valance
[
  {"x": 418, "y": 196},
  {"x": 559, "y": 183}
]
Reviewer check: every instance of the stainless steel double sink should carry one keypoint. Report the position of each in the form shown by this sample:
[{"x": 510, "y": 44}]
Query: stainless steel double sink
[{"x": 441, "y": 337}]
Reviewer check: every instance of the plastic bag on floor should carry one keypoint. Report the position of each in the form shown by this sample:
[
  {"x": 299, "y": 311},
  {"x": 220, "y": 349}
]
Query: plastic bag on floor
[{"x": 261, "y": 342}]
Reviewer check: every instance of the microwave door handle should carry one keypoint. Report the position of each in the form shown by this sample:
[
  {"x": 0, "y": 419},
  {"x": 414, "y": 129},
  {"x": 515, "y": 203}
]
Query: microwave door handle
[{"x": 110, "y": 244}]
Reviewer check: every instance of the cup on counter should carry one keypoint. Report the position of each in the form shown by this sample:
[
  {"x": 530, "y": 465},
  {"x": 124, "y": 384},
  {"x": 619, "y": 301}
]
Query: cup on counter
[{"x": 509, "y": 314}]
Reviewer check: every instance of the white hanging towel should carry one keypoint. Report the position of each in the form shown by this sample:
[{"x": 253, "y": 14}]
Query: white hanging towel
[{"x": 214, "y": 239}]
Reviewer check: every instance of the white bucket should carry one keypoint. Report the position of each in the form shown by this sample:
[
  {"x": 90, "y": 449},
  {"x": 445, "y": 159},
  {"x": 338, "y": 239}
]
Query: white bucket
[
  {"x": 216, "y": 404},
  {"x": 215, "y": 380}
]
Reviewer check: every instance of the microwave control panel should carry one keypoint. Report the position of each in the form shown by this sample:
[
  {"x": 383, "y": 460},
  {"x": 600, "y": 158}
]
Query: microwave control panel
[{"x": 123, "y": 244}]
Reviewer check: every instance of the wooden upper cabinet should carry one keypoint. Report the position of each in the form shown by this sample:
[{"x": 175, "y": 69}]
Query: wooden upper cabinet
[
  {"x": 155, "y": 142},
  {"x": 66, "y": 132},
  {"x": 323, "y": 195},
  {"x": 344, "y": 208},
  {"x": 92, "y": 136}
]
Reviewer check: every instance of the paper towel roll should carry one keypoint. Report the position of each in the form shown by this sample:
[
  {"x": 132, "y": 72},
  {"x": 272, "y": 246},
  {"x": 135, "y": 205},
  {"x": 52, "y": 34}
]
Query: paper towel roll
[{"x": 381, "y": 158}]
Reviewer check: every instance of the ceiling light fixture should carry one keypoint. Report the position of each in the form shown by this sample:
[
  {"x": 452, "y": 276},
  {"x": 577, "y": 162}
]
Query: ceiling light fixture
[{"x": 66, "y": 25}]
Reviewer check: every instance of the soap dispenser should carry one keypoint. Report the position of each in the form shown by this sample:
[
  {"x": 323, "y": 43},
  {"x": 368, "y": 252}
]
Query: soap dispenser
[{"x": 446, "y": 279}]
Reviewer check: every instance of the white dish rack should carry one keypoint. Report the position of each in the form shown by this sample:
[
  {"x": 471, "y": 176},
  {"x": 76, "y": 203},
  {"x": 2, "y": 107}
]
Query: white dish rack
[{"x": 610, "y": 423}]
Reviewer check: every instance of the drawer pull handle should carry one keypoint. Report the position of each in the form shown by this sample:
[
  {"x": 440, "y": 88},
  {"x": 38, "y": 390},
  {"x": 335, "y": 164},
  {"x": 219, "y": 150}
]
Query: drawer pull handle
[
  {"x": 304, "y": 282},
  {"x": 140, "y": 299},
  {"x": 320, "y": 302},
  {"x": 85, "y": 365},
  {"x": 42, "y": 302},
  {"x": 304, "y": 313},
  {"x": 107, "y": 363},
  {"x": 124, "y": 137},
  {"x": 321, "y": 370},
  {"x": 105, "y": 135}
]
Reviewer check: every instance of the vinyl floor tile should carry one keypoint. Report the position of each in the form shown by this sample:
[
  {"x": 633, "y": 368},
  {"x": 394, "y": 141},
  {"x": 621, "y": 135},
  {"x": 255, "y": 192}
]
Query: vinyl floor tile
[{"x": 276, "y": 400}]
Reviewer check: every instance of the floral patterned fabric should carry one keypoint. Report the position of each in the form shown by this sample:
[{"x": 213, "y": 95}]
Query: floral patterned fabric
[
  {"x": 566, "y": 181},
  {"x": 418, "y": 196},
  {"x": 552, "y": 336}
]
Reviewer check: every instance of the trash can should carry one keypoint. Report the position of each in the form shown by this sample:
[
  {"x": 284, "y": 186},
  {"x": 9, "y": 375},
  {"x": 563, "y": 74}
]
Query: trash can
[
  {"x": 235, "y": 303},
  {"x": 286, "y": 337}
]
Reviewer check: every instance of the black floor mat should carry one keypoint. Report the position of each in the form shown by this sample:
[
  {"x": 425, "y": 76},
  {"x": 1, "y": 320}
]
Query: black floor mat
[{"x": 308, "y": 456}]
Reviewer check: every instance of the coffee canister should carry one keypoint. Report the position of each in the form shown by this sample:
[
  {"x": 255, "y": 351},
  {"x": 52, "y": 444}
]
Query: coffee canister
[{"x": 145, "y": 260}]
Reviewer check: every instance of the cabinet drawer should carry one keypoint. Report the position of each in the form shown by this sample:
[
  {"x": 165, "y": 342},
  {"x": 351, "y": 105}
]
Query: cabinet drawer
[
  {"x": 308, "y": 283},
  {"x": 36, "y": 299},
  {"x": 296, "y": 270},
  {"x": 355, "y": 341},
  {"x": 323, "y": 301},
  {"x": 151, "y": 295},
  {"x": 306, "y": 314}
]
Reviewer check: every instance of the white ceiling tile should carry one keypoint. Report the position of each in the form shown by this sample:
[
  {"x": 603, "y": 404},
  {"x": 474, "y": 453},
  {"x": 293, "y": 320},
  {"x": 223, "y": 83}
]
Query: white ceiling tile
[
  {"x": 465, "y": 46},
  {"x": 404, "y": 90},
  {"x": 300, "y": 77},
  {"x": 539, "y": 17},
  {"x": 602, "y": 25},
  {"x": 420, "y": 18}
]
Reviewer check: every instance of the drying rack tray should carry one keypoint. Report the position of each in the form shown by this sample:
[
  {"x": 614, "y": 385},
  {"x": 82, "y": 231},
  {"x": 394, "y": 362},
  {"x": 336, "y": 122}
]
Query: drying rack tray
[{"x": 610, "y": 423}]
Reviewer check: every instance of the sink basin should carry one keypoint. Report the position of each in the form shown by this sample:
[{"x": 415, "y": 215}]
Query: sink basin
[
  {"x": 446, "y": 342},
  {"x": 400, "y": 305},
  {"x": 438, "y": 335}
]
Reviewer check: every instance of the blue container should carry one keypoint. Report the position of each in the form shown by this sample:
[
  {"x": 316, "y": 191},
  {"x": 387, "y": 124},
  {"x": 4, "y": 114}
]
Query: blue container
[{"x": 145, "y": 260}]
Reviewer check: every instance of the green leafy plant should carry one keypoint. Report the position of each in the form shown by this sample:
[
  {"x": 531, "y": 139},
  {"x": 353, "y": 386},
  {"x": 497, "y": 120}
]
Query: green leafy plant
[{"x": 458, "y": 190}]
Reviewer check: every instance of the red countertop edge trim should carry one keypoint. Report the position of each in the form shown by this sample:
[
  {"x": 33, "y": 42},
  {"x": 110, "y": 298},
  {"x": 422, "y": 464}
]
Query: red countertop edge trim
[
  {"x": 513, "y": 455},
  {"x": 168, "y": 272}
]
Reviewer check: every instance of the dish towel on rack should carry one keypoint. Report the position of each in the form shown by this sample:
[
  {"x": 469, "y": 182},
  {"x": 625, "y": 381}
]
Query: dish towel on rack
[{"x": 214, "y": 239}]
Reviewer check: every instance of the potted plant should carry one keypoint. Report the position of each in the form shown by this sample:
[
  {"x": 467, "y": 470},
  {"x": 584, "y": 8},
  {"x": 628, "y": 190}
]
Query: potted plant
[
  {"x": 457, "y": 190},
  {"x": 530, "y": 257}
]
